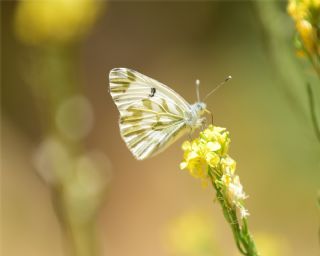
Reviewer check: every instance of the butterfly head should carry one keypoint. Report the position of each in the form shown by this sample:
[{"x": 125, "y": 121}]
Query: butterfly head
[{"x": 199, "y": 108}]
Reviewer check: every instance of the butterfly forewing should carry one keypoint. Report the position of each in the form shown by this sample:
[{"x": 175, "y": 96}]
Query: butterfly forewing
[{"x": 152, "y": 115}]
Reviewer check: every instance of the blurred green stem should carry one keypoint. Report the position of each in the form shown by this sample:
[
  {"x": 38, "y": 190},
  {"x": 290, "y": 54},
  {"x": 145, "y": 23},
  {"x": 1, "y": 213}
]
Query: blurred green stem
[
  {"x": 241, "y": 234},
  {"x": 64, "y": 83},
  {"x": 313, "y": 113},
  {"x": 79, "y": 230},
  {"x": 84, "y": 239},
  {"x": 82, "y": 236},
  {"x": 315, "y": 62},
  {"x": 56, "y": 80},
  {"x": 281, "y": 49}
]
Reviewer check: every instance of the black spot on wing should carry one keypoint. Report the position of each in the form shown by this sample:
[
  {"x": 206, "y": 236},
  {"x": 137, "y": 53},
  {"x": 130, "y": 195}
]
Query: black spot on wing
[{"x": 153, "y": 91}]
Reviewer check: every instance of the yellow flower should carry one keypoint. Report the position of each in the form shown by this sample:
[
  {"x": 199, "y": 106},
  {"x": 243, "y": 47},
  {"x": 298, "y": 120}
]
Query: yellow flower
[
  {"x": 231, "y": 185},
  {"x": 212, "y": 159},
  {"x": 305, "y": 13},
  {"x": 207, "y": 150},
  {"x": 292, "y": 9},
  {"x": 219, "y": 136},
  {"x": 303, "y": 9},
  {"x": 195, "y": 163},
  {"x": 297, "y": 10},
  {"x": 54, "y": 21},
  {"x": 308, "y": 34},
  {"x": 211, "y": 150},
  {"x": 228, "y": 164}
]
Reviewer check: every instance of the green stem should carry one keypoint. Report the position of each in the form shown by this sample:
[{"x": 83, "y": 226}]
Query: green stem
[
  {"x": 228, "y": 216},
  {"x": 242, "y": 237}
]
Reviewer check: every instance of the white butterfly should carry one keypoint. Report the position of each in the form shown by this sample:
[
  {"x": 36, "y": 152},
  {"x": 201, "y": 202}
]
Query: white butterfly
[{"x": 152, "y": 116}]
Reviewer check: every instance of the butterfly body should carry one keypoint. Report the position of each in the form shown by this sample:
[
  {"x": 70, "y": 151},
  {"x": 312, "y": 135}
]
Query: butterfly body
[
  {"x": 196, "y": 111},
  {"x": 152, "y": 116}
]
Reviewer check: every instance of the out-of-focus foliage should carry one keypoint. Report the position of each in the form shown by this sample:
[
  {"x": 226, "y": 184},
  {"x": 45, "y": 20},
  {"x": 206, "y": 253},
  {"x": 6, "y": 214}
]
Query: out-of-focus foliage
[
  {"x": 77, "y": 177},
  {"x": 74, "y": 117}
]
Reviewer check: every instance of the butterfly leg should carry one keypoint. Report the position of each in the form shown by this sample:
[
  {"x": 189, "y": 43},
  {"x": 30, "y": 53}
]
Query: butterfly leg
[
  {"x": 209, "y": 112},
  {"x": 189, "y": 134},
  {"x": 203, "y": 123}
]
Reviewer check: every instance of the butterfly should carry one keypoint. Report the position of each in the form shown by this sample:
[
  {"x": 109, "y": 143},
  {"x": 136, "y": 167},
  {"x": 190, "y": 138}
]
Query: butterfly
[{"x": 152, "y": 115}]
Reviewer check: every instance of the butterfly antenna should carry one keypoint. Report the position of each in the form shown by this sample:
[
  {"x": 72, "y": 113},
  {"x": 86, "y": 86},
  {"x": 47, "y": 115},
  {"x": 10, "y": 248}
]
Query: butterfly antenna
[
  {"x": 198, "y": 89},
  {"x": 217, "y": 87}
]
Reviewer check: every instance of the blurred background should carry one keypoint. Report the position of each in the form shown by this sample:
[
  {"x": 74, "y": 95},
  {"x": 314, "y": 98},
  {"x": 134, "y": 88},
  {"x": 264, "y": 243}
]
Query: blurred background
[{"x": 69, "y": 185}]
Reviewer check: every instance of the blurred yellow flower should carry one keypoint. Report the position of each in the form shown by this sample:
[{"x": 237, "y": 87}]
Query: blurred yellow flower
[
  {"x": 302, "y": 9},
  {"x": 271, "y": 244},
  {"x": 191, "y": 234},
  {"x": 306, "y": 14},
  {"x": 308, "y": 35},
  {"x": 54, "y": 21}
]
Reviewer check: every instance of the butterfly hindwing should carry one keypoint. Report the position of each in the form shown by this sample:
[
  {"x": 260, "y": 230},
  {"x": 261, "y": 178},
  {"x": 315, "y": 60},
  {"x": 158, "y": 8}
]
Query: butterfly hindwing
[{"x": 152, "y": 115}]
